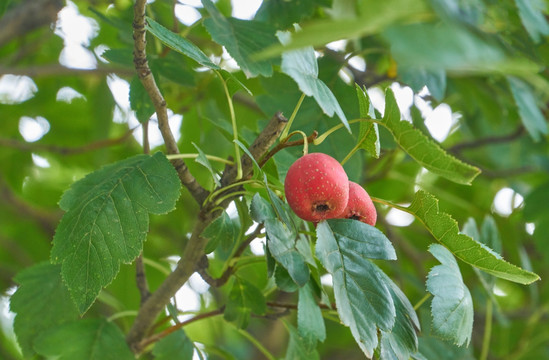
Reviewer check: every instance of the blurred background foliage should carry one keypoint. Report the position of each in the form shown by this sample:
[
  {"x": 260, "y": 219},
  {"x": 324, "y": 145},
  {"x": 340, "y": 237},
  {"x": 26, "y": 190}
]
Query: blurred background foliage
[{"x": 68, "y": 105}]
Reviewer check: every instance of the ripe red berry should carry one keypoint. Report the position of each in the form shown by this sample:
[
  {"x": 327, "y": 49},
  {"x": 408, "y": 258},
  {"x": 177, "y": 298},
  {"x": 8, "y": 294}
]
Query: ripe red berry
[
  {"x": 360, "y": 206},
  {"x": 317, "y": 187}
]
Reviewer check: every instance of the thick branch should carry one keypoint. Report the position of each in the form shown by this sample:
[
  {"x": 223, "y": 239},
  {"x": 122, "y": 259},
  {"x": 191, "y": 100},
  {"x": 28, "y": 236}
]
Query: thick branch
[
  {"x": 147, "y": 79},
  {"x": 28, "y": 16}
]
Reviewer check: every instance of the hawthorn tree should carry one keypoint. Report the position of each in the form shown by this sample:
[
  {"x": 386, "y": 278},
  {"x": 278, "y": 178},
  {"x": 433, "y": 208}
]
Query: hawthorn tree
[{"x": 115, "y": 244}]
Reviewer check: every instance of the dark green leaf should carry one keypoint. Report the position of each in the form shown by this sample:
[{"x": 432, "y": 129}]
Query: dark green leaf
[
  {"x": 175, "y": 346},
  {"x": 368, "y": 136},
  {"x": 283, "y": 14},
  {"x": 282, "y": 245},
  {"x": 119, "y": 56},
  {"x": 530, "y": 114},
  {"x": 452, "y": 305},
  {"x": 301, "y": 65},
  {"x": 41, "y": 302},
  {"x": 179, "y": 44},
  {"x": 221, "y": 232},
  {"x": 106, "y": 221},
  {"x": 89, "y": 339},
  {"x": 363, "y": 301},
  {"x": 140, "y": 101},
  {"x": 236, "y": 36},
  {"x": 445, "y": 230},
  {"x": 422, "y": 149},
  {"x": 532, "y": 13},
  {"x": 310, "y": 323},
  {"x": 261, "y": 209},
  {"x": 244, "y": 299},
  {"x": 402, "y": 340}
]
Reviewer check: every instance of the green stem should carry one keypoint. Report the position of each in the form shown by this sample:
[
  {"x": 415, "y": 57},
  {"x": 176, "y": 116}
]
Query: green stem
[
  {"x": 423, "y": 299},
  {"x": 291, "y": 119},
  {"x": 122, "y": 314},
  {"x": 235, "y": 128},
  {"x": 393, "y": 205},
  {"x": 487, "y": 330},
  {"x": 194, "y": 156},
  {"x": 257, "y": 344},
  {"x": 351, "y": 153},
  {"x": 323, "y": 137}
]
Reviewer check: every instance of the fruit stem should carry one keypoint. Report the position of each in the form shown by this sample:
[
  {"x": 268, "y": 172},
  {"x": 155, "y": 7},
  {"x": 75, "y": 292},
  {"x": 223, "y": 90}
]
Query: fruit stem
[
  {"x": 235, "y": 129},
  {"x": 351, "y": 153},
  {"x": 194, "y": 156},
  {"x": 323, "y": 137},
  {"x": 291, "y": 119}
]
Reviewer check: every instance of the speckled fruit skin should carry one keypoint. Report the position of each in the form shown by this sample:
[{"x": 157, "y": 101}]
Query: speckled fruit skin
[
  {"x": 360, "y": 205},
  {"x": 317, "y": 187}
]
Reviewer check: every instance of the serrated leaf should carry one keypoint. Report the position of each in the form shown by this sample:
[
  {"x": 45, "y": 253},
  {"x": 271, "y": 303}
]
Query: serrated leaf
[
  {"x": 140, "y": 101},
  {"x": 221, "y": 232},
  {"x": 363, "y": 300},
  {"x": 176, "y": 346},
  {"x": 298, "y": 347},
  {"x": 89, "y": 339},
  {"x": 235, "y": 36},
  {"x": 530, "y": 114},
  {"x": 203, "y": 160},
  {"x": 281, "y": 241},
  {"x": 41, "y": 302},
  {"x": 445, "y": 230},
  {"x": 452, "y": 305},
  {"x": 261, "y": 209},
  {"x": 426, "y": 152},
  {"x": 107, "y": 219},
  {"x": 301, "y": 65},
  {"x": 402, "y": 340},
  {"x": 531, "y": 14},
  {"x": 368, "y": 136},
  {"x": 179, "y": 44},
  {"x": 310, "y": 323},
  {"x": 244, "y": 299}
]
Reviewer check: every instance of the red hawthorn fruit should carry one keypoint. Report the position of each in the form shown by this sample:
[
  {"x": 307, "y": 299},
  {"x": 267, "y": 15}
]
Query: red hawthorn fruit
[
  {"x": 360, "y": 206},
  {"x": 317, "y": 187}
]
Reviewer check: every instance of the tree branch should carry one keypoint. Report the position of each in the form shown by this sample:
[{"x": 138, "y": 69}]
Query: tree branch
[
  {"x": 488, "y": 141},
  {"x": 60, "y": 70},
  {"x": 149, "y": 83},
  {"x": 28, "y": 16},
  {"x": 288, "y": 144}
]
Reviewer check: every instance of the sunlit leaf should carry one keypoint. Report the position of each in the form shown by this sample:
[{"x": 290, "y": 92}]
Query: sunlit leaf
[
  {"x": 368, "y": 136},
  {"x": 445, "y": 230},
  {"x": 107, "y": 219},
  {"x": 426, "y": 152},
  {"x": 532, "y": 15},
  {"x": 88, "y": 339},
  {"x": 363, "y": 299},
  {"x": 41, "y": 302},
  {"x": 452, "y": 305}
]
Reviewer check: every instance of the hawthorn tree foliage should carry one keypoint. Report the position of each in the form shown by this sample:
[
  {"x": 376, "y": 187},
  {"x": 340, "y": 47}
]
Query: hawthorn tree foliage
[{"x": 106, "y": 230}]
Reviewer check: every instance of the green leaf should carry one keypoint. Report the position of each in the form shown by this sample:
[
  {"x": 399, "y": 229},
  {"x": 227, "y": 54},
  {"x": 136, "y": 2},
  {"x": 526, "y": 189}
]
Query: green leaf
[
  {"x": 417, "y": 78},
  {"x": 236, "y": 36},
  {"x": 41, "y": 302},
  {"x": 140, "y": 101},
  {"x": 176, "y": 346},
  {"x": 106, "y": 221},
  {"x": 244, "y": 299},
  {"x": 363, "y": 300},
  {"x": 203, "y": 160},
  {"x": 261, "y": 209},
  {"x": 426, "y": 152},
  {"x": 221, "y": 232},
  {"x": 532, "y": 13},
  {"x": 310, "y": 323},
  {"x": 445, "y": 230},
  {"x": 179, "y": 44},
  {"x": 301, "y": 65},
  {"x": 298, "y": 346},
  {"x": 368, "y": 136},
  {"x": 530, "y": 114},
  {"x": 281, "y": 241},
  {"x": 452, "y": 305},
  {"x": 402, "y": 340},
  {"x": 89, "y": 339},
  {"x": 283, "y": 14}
]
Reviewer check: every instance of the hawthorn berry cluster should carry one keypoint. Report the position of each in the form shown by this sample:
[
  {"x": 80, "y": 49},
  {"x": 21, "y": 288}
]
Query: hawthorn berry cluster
[{"x": 317, "y": 188}]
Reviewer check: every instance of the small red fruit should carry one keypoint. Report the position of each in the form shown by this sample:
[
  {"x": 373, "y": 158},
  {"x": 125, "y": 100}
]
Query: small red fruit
[
  {"x": 317, "y": 187},
  {"x": 360, "y": 206}
]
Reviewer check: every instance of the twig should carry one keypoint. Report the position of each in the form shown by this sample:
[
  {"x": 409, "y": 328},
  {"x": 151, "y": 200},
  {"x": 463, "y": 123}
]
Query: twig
[
  {"x": 141, "y": 279},
  {"x": 260, "y": 146},
  {"x": 285, "y": 145},
  {"x": 149, "y": 83},
  {"x": 60, "y": 70},
  {"x": 488, "y": 141},
  {"x": 36, "y": 147}
]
